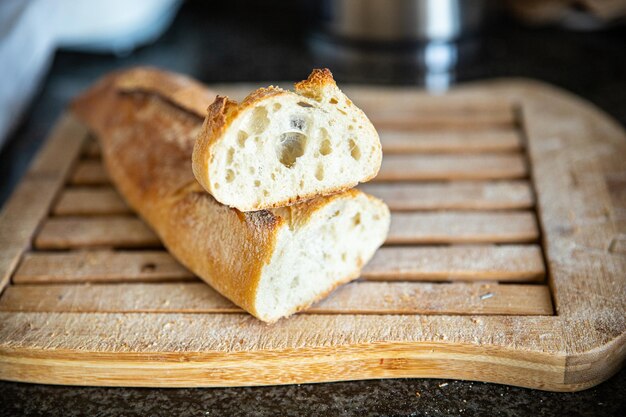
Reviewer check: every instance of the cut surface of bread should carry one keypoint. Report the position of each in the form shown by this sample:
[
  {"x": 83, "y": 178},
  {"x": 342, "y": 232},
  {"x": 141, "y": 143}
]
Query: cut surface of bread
[
  {"x": 271, "y": 263},
  {"x": 279, "y": 147},
  {"x": 317, "y": 252}
]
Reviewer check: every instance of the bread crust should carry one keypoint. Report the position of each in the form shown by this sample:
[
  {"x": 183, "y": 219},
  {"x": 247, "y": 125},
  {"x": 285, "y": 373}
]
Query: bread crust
[
  {"x": 147, "y": 144},
  {"x": 147, "y": 130},
  {"x": 317, "y": 82}
]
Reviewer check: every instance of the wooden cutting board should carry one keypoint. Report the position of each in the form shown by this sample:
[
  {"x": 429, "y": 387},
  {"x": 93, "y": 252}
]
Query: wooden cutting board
[{"x": 506, "y": 261}]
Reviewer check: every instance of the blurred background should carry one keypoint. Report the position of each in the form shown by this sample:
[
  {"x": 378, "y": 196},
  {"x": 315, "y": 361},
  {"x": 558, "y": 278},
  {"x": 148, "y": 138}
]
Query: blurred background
[{"x": 52, "y": 49}]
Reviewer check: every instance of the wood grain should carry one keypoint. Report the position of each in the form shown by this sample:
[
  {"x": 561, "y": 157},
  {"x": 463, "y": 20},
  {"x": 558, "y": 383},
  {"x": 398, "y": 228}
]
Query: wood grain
[
  {"x": 442, "y": 141},
  {"x": 501, "y": 263},
  {"x": 203, "y": 350},
  {"x": 76, "y": 232},
  {"x": 84, "y": 201},
  {"x": 407, "y": 113},
  {"x": 32, "y": 198},
  {"x": 462, "y": 227},
  {"x": 458, "y": 195},
  {"x": 100, "y": 265},
  {"x": 577, "y": 153},
  {"x": 451, "y": 167},
  {"x": 455, "y": 195},
  {"x": 354, "y": 298},
  {"x": 406, "y": 228},
  {"x": 463, "y": 262},
  {"x": 394, "y": 167}
]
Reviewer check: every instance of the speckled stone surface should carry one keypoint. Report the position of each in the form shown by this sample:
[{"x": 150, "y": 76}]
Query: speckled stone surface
[
  {"x": 269, "y": 43},
  {"x": 393, "y": 397}
]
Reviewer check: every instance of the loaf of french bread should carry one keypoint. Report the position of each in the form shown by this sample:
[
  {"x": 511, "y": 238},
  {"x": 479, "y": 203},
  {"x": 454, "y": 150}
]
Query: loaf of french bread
[{"x": 271, "y": 263}]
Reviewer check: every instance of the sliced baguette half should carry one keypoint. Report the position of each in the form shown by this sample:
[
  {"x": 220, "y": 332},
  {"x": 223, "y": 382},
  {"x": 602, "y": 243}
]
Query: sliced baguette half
[
  {"x": 271, "y": 263},
  {"x": 279, "y": 147}
]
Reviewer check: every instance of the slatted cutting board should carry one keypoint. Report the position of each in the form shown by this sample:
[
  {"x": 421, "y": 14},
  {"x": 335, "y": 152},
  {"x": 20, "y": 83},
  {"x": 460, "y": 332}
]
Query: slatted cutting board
[{"x": 505, "y": 261}]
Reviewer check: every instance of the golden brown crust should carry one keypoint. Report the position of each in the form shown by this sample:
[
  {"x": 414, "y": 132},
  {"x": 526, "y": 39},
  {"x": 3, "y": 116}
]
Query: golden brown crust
[
  {"x": 261, "y": 94},
  {"x": 313, "y": 87},
  {"x": 147, "y": 145},
  {"x": 218, "y": 117},
  {"x": 181, "y": 91}
]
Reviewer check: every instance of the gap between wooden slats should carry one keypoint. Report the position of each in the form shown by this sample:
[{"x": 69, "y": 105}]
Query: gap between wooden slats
[
  {"x": 394, "y": 167},
  {"x": 354, "y": 298},
  {"x": 459, "y": 195},
  {"x": 444, "y": 263},
  {"x": 490, "y": 140},
  {"x": 406, "y": 228}
]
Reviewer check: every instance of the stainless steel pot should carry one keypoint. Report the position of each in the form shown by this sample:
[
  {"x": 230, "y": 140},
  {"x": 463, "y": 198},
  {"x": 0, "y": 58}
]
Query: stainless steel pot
[{"x": 402, "y": 20}]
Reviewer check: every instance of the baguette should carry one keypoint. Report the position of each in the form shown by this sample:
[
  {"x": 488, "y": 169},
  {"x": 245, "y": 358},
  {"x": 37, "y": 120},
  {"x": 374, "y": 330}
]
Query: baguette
[
  {"x": 271, "y": 263},
  {"x": 279, "y": 147}
]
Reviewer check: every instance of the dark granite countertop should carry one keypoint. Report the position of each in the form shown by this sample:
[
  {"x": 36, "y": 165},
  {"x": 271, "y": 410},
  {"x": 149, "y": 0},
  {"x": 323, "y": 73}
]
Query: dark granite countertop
[{"x": 270, "y": 43}]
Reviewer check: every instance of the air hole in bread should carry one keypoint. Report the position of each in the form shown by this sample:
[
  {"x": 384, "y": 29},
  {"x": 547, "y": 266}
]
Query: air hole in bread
[
  {"x": 230, "y": 175},
  {"x": 257, "y": 183},
  {"x": 273, "y": 176},
  {"x": 344, "y": 256},
  {"x": 216, "y": 185},
  {"x": 259, "y": 120},
  {"x": 333, "y": 101},
  {"x": 229, "y": 156},
  {"x": 342, "y": 112},
  {"x": 355, "y": 152},
  {"x": 319, "y": 172},
  {"x": 277, "y": 106},
  {"x": 291, "y": 146},
  {"x": 297, "y": 122},
  {"x": 266, "y": 193},
  {"x": 301, "y": 184},
  {"x": 350, "y": 127},
  {"x": 356, "y": 219},
  {"x": 252, "y": 170},
  {"x": 325, "y": 147},
  {"x": 241, "y": 138},
  {"x": 303, "y": 104}
]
